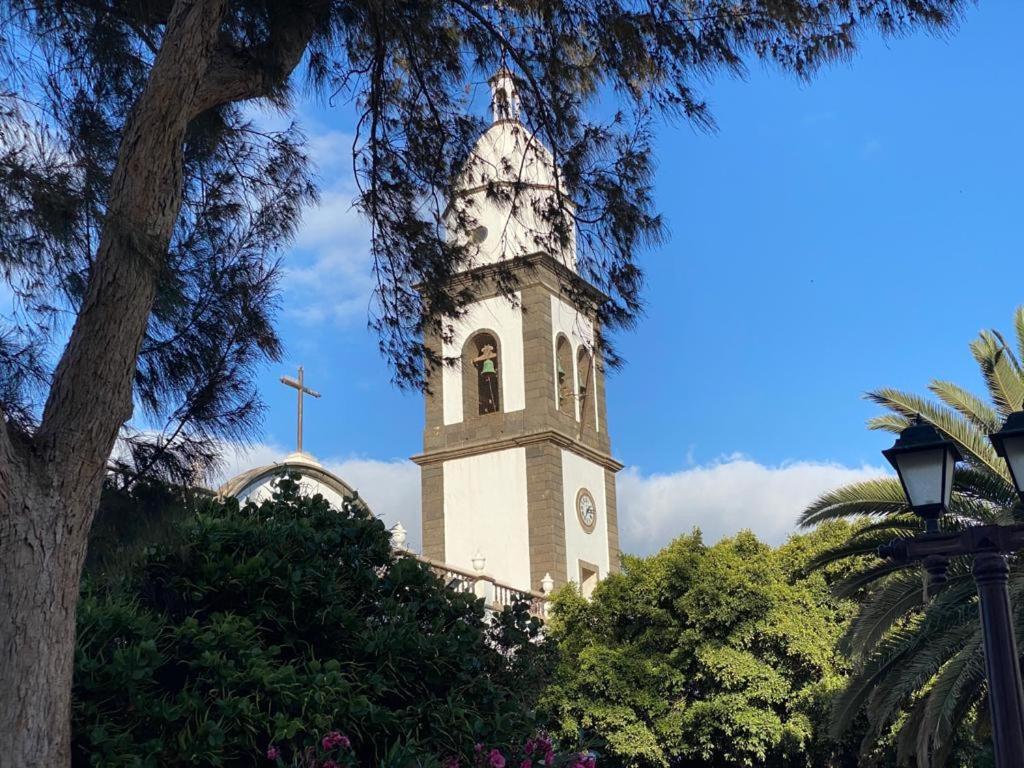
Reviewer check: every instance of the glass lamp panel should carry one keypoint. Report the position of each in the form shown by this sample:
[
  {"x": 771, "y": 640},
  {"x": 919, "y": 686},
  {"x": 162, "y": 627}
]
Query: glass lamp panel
[
  {"x": 947, "y": 486},
  {"x": 921, "y": 473},
  {"x": 1014, "y": 448}
]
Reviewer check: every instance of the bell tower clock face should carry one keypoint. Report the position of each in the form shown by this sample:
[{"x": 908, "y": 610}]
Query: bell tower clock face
[{"x": 586, "y": 510}]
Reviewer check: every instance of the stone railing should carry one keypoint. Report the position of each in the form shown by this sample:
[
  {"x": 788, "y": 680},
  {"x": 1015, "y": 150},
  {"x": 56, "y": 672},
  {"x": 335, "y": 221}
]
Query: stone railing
[{"x": 496, "y": 594}]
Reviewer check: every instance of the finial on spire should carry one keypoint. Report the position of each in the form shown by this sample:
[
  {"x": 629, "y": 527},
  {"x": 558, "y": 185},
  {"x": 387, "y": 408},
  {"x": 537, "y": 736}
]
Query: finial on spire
[{"x": 504, "y": 99}]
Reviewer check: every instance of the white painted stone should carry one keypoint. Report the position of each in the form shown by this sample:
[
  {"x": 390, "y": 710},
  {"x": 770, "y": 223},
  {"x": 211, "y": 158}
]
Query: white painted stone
[
  {"x": 261, "y": 488},
  {"x": 504, "y": 319},
  {"x": 592, "y": 547},
  {"x": 510, "y": 162},
  {"x": 485, "y": 513}
]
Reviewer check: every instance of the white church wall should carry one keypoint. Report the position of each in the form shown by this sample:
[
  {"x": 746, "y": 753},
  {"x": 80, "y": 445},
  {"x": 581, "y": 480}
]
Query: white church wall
[
  {"x": 578, "y": 328},
  {"x": 592, "y": 547},
  {"x": 505, "y": 320},
  {"x": 485, "y": 510}
]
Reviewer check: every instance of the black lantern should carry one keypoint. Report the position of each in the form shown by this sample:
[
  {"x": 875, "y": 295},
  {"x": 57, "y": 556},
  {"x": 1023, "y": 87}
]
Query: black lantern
[
  {"x": 924, "y": 461},
  {"x": 1009, "y": 443}
]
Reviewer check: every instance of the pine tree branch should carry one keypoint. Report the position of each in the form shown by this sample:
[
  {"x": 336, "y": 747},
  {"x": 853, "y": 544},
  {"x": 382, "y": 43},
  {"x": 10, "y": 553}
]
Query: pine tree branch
[
  {"x": 262, "y": 71},
  {"x": 91, "y": 392}
]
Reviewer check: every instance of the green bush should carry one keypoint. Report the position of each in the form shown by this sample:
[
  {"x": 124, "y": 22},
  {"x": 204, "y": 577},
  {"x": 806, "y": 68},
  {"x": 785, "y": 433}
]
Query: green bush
[
  {"x": 719, "y": 656},
  {"x": 273, "y": 624}
]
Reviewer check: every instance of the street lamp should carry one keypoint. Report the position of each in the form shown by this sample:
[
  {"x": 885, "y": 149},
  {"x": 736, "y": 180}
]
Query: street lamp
[
  {"x": 924, "y": 461},
  {"x": 1009, "y": 443}
]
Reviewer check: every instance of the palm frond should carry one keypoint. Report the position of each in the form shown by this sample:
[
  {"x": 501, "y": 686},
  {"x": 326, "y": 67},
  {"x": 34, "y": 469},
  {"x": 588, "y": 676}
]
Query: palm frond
[
  {"x": 908, "y": 653},
  {"x": 893, "y": 600},
  {"x": 968, "y": 511},
  {"x": 983, "y": 485},
  {"x": 1018, "y": 327},
  {"x": 972, "y": 441},
  {"x": 888, "y": 422},
  {"x": 856, "y": 581},
  {"x": 909, "y": 671},
  {"x": 907, "y": 747},
  {"x": 900, "y": 662},
  {"x": 1001, "y": 373},
  {"x": 897, "y": 524},
  {"x": 1008, "y": 353},
  {"x": 967, "y": 404},
  {"x": 876, "y": 498},
  {"x": 952, "y": 693},
  {"x": 863, "y": 543}
]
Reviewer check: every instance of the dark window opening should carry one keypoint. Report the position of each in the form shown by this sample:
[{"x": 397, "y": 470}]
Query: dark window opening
[
  {"x": 564, "y": 377},
  {"x": 487, "y": 364}
]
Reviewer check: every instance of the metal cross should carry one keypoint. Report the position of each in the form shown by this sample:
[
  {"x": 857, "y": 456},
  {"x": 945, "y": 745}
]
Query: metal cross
[{"x": 302, "y": 390}]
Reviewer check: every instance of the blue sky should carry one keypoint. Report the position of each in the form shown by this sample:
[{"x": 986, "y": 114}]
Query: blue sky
[{"x": 833, "y": 236}]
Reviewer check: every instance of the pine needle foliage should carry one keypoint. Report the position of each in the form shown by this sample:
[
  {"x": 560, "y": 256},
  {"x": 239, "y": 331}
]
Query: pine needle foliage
[
  {"x": 71, "y": 72},
  {"x": 920, "y": 665}
]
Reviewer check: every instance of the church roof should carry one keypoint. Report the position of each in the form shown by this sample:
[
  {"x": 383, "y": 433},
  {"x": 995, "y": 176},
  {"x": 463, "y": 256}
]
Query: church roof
[
  {"x": 507, "y": 153},
  {"x": 503, "y": 202},
  {"x": 303, "y": 463}
]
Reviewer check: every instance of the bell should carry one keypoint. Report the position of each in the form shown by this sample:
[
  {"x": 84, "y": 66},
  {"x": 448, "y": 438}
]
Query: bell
[{"x": 488, "y": 367}]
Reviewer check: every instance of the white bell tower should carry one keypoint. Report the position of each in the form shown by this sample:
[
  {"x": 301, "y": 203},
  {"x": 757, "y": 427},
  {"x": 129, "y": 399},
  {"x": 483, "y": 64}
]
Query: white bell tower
[{"x": 516, "y": 461}]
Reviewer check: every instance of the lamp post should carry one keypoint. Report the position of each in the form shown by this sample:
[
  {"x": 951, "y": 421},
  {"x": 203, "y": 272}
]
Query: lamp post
[{"x": 924, "y": 461}]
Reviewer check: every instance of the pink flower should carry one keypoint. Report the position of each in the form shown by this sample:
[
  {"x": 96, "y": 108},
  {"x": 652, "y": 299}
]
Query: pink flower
[
  {"x": 496, "y": 759},
  {"x": 273, "y": 752},
  {"x": 527, "y": 763},
  {"x": 334, "y": 739},
  {"x": 549, "y": 757},
  {"x": 530, "y": 746},
  {"x": 450, "y": 762},
  {"x": 328, "y": 764},
  {"x": 478, "y": 747}
]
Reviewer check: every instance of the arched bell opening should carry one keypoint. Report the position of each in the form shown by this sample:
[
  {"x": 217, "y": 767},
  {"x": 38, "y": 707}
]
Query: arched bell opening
[
  {"x": 585, "y": 390},
  {"x": 481, "y": 375},
  {"x": 565, "y": 377}
]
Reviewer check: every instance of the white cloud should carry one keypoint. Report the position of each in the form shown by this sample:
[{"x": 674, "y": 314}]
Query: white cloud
[
  {"x": 330, "y": 151},
  {"x": 722, "y": 498},
  {"x": 327, "y": 277},
  {"x": 390, "y": 488}
]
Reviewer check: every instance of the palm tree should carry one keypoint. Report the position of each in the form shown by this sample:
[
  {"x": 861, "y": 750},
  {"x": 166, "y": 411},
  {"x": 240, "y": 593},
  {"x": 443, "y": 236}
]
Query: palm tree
[{"x": 919, "y": 666}]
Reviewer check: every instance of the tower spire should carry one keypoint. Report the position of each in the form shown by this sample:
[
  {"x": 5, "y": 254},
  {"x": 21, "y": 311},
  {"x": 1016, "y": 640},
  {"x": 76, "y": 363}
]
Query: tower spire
[{"x": 504, "y": 99}]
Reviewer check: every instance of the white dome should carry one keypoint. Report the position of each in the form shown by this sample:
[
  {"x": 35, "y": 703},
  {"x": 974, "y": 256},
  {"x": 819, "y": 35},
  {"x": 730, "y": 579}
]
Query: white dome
[
  {"x": 257, "y": 484},
  {"x": 505, "y": 197},
  {"x": 507, "y": 153}
]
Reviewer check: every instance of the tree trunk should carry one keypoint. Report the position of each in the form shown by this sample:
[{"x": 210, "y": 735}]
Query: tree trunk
[
  {"x": 40, "y": 562},
  {"x": 50, "y": 482}
]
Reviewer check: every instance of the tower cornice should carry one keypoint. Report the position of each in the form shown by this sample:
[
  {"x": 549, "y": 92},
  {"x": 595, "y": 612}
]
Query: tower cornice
[
  {"x": 487, "y": 275},
  {"x": 553, "y": 436}
]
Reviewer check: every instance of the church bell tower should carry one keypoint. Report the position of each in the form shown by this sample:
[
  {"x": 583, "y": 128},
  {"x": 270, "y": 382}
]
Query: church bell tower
[{"x": 516, "y": 462}]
